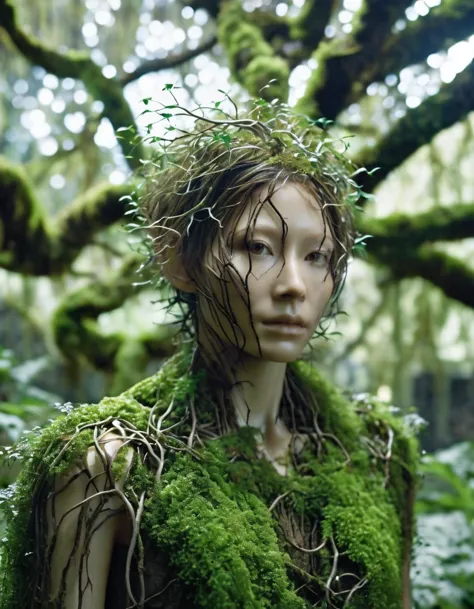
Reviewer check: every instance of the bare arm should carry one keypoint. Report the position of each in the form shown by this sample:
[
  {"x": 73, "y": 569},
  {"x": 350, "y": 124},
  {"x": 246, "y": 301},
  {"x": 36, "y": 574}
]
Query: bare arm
[{"x": 85, "y": 517}]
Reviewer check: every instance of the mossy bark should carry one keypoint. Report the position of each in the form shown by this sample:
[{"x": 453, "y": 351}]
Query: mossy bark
[
  {"x": 405, "y": 231},
  {"x": 418, "y": 127},
  {"x": 450, "y": 274},
  {"x": 32, "y": 244},
  {"x": 252, "y": 59},
  {"x": 341, "y": 62},
  {"x": 452, "y": 21},
  {"x": 79, "y": 337},
  {"x": 309, "y": 26}
]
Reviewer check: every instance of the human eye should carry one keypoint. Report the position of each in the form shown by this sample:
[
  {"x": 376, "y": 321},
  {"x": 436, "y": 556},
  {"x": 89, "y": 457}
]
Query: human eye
[
  {"x": 320, "y": 259},
  {"x": 257, "y": 248}
]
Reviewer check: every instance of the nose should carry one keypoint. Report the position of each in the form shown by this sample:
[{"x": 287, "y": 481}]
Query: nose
[{"x": 289, "y": 282}]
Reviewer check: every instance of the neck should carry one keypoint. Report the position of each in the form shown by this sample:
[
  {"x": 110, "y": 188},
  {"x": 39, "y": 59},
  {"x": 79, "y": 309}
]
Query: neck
[
  {"x": 256, "y": 396},
  {"x": 256, "y": 399},
  {"x": 258, "y": 392}
]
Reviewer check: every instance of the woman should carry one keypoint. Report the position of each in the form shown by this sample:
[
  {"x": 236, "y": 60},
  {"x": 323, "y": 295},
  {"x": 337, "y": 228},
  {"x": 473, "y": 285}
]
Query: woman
[{"x": 236, "y": 477}]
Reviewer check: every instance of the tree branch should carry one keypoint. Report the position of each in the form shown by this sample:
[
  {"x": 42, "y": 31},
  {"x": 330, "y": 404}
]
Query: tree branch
[
  {"x": 75, "y": 64},
  {"x": 446, "y": 272},
  {"x": 417, "y": 128},
  {"x": 403, "y": 231},
  {"x": 306, "y": 29},
  {"x": 155, "y": 65},
  {"x": 341, "y": 62},
  {"x": 78, "y": 335},
  {"x": 309, "y": 26},
  {"x": 33, "y": 245},
  {"x": 444, "y": 25},
  {"x": 252, "y": 59}
]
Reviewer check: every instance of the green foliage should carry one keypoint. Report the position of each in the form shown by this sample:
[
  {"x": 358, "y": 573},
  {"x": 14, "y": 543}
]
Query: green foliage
[
  {"x": 22, "y": 405},
  {"x": 444, "y": 562}
]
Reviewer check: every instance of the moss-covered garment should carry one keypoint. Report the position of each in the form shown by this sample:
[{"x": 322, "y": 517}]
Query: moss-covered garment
[{"x": 220, "y": 527}]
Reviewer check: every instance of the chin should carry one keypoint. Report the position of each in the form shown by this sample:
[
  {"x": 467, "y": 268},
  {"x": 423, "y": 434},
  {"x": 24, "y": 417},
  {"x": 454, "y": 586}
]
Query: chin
[{"x": 284, "y": 354}]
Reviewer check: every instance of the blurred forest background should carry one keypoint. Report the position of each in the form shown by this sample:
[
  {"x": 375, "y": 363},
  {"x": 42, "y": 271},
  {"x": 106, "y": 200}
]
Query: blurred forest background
[{"x": 397, "y": 75}]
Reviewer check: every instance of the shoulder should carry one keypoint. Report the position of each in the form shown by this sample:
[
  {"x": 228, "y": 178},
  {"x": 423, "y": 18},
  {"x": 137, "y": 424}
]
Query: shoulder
[
  {"x": 66, "y": 439},
  {"x": 389, "y": 429},
  {"x": 363, "y": 418},
  {"x": 364, "y": 406}
]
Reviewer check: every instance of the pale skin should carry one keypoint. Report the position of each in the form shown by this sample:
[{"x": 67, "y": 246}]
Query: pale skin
[{"x": 293, "y": 280}]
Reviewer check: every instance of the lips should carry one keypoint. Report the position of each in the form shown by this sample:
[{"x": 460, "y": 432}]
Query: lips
[{"x": 286, "y": 320}]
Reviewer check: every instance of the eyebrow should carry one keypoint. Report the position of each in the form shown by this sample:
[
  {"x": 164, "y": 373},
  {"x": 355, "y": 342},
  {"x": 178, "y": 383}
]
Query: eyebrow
[{"x": 270, "y": 229}]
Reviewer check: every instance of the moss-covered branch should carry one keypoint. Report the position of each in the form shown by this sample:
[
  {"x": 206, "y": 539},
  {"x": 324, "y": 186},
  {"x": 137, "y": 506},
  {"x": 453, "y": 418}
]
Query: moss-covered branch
[
  {"x": 442, "y": 223},
  {"x": 31, "y": 243},
  {"x": 156, "y": 65},
  {"x": 418, "y": 127},
  {"x": 452, "y": 21},
  {"x": 253, "y": 61},
  {"x": 78, "y": 336},
  {"x": 341, "y": 62},
  {"x": 309, "y": 26},
  {"x": 446, "y": 272},
  {"x": 404, "y": 244},
  {"x": 75, "y": 64}
]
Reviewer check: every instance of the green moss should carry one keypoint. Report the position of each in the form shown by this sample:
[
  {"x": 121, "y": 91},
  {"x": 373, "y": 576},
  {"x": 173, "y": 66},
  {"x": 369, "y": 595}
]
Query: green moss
[
  {"x": 251, "y": 58},
  {"x": 215, "y": 534},
  {"x": 307, "y": 103},
  {"x": 211, "y": 514},
  {"x": 358, "y": 517}
]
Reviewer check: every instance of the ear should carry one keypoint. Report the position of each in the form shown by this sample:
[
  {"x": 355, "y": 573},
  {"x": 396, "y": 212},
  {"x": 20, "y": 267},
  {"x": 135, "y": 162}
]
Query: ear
[{"x": 173, "y": 270}]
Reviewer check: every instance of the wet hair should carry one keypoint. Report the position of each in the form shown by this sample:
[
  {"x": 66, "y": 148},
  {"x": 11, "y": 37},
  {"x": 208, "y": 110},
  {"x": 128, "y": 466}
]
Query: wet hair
[{"x": 198, "y": 188}]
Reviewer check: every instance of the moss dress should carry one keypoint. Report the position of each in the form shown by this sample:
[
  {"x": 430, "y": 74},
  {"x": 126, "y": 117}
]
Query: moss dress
[{"x": 218, "y": 526}]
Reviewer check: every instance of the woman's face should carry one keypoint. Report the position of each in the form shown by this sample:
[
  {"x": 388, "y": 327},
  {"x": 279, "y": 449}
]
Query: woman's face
[{"x": 289, "y": 287}]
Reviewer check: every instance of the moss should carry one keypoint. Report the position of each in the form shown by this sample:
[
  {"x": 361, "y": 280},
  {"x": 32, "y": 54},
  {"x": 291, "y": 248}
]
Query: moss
[
  {"x": 210, "y": 514},
  {"x": 23, "y": 221},
  {"x": 251, "y": 58},
  {"x": 78, "y": 335},
  {"x": 55, "y": 245},
  {"x": 307, "y": 103},
  {"x": 261, "y": 70},
  {"x": 337, "y": 414},
  {"x": 400, "y": 230},
  {"x": 358, "y": 517},
  {"x": 215, "y": 534}
]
